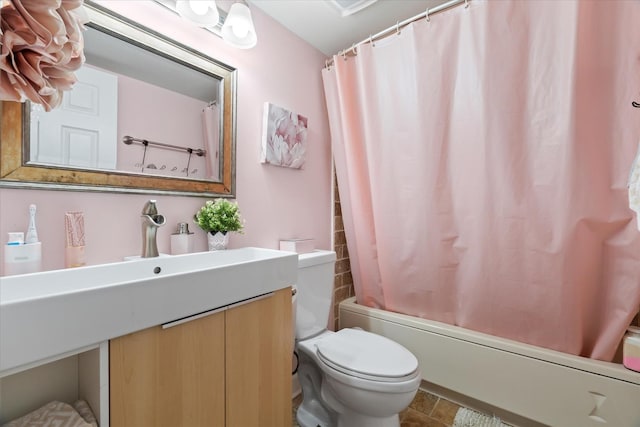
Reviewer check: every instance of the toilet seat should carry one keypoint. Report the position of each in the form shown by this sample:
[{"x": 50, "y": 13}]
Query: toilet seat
[{"x": 368, "y": 356}]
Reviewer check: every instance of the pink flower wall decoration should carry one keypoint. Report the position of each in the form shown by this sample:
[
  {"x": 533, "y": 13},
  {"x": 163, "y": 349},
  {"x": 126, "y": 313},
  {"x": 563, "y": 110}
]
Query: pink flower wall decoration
[
  {"x": 41, "y": 45},
  {"x": 284, "y": 137}
]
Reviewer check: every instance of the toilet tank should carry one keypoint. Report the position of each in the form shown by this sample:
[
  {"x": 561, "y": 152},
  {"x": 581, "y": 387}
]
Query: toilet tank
[{"x": 314, "y": 289}]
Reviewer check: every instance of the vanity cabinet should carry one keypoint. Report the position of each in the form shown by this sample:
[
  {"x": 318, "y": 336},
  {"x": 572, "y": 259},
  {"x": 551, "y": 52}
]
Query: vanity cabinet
[
  {"x": 229, "y": 367},
  {"x": 259, "y": 346},
  {"x": 169, "y": 377}
]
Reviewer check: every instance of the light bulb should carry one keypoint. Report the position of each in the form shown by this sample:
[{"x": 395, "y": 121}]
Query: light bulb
[
  {"x": 199, "y": 7},
  {"x": 240, "y": 29}
]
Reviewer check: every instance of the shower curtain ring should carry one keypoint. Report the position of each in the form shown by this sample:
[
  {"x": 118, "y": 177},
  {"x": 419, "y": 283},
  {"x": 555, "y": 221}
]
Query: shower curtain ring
[
  {"x": 397, "y": 27},
  {"x": 353, "y": 49},
  {"x": 371, "y": 41},
  {"x": 427, "y": 15},
  {"x": 466, "y": 4}
]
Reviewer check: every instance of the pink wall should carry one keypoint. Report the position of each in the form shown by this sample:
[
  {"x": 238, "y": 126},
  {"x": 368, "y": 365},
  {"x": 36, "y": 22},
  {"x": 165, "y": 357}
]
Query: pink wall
[
  {"x": 275, "y": 202},
  {"x": 176, "y": 119}
]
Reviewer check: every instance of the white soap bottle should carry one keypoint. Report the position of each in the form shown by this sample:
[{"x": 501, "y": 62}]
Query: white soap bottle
[{"x": 182, "y": 240}]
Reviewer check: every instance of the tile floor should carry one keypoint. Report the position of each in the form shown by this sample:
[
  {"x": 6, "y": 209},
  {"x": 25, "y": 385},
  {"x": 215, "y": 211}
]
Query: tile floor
[{"x": 426, "y": 410}]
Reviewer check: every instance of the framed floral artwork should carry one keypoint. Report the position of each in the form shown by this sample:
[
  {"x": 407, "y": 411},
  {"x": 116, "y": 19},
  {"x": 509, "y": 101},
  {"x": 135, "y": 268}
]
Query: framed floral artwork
[{"x": 284, "y": 137}]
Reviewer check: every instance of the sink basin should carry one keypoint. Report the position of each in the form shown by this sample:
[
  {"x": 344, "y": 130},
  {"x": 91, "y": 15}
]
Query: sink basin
[{"x": 52, "y": 313}]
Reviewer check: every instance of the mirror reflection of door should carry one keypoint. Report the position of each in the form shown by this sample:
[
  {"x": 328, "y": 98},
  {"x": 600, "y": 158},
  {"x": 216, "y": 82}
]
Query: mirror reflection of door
[
  {"x": 82, "y": 132},
  {"x": 124, "y": 90}
]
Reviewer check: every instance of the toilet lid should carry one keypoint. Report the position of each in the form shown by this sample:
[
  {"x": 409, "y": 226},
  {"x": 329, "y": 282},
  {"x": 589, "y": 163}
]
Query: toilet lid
[{"x": 365, "y": 355}]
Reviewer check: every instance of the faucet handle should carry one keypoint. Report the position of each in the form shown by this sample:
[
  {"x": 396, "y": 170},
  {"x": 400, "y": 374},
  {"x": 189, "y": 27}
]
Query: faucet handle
[{"x": 150, "y": 208}]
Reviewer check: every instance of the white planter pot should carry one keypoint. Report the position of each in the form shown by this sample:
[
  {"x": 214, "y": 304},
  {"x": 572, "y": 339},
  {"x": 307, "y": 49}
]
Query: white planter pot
[{"x": 218, "y": 241}]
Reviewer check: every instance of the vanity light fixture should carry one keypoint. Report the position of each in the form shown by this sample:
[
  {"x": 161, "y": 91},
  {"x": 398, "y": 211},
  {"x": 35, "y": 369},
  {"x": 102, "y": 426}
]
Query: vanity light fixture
[
  {"x": 203, "y": 13},
  {"x": 237, "y": 28}
]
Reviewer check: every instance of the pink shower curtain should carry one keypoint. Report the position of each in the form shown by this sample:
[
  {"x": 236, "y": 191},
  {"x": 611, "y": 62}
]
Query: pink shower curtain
[{"x": 482, "y": 162}]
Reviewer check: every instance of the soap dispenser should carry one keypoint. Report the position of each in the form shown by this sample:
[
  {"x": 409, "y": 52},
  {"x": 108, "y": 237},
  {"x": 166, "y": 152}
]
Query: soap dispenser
[{"x": 182, "y": 240}]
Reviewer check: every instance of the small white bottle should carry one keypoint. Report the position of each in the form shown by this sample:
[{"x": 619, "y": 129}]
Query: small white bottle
[
  {"x": 631, "y": 349},
  {"x": 181, "y": 240}
]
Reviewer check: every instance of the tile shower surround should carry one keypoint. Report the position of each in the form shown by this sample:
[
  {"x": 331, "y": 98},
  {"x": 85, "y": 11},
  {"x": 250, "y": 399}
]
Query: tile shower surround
[{"x": 343, "y": 281}]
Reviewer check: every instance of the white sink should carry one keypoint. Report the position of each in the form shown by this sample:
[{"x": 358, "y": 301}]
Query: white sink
[{"x": 52, "y": 313}]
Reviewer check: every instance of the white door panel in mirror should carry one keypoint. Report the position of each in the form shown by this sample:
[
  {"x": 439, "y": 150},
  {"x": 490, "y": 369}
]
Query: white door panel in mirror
[{"x": 82, "y": 132}]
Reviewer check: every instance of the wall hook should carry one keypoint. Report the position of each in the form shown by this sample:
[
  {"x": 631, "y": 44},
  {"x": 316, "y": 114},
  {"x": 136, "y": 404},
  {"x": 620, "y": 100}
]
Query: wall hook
[{"x": 635, "y": 104}]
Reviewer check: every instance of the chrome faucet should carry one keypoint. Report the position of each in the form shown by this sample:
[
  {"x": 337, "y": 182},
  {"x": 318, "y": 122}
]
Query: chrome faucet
[{"x": 151, "y": 220}]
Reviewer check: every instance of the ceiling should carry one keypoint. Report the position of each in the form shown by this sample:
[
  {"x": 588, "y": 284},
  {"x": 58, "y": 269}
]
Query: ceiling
[{"x": 320, "y": 24}]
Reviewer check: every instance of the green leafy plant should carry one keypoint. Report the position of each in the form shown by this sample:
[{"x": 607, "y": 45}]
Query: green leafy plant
[{"x": 219, "y": 216}]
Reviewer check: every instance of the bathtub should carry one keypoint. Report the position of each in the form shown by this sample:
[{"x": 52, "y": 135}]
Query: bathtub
[{"x": 525, "y": 384}]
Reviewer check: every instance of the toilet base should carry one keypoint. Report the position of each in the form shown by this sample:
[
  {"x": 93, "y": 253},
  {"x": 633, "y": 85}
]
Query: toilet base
[
  {"x": 311, "y": 416},
  {"x": 308, "y": 417},
  {"x": 312, "y": 412}
]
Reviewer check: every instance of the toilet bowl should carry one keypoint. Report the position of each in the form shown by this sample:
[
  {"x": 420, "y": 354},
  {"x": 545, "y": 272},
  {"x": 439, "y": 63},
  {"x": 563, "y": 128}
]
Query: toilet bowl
[
  {"x": 349, "y": 378},
  {"x": 366, "y": 379}
]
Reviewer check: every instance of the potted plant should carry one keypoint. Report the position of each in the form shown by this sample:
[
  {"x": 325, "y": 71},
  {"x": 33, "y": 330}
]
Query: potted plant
[{"x": 218, "y": 218}]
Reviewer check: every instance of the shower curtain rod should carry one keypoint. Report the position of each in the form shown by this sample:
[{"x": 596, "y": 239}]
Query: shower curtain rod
[{"x": 399, "y": 25}]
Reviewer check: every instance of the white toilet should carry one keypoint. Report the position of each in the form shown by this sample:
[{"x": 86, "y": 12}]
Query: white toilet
[{"x": 349, "y": 378}]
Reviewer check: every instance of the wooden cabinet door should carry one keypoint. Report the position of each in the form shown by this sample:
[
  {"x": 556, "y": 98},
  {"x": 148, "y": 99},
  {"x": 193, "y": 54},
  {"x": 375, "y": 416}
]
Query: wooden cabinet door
[
  {"x": 169, "y": 377},
  {"x": 259, "y": 348}
]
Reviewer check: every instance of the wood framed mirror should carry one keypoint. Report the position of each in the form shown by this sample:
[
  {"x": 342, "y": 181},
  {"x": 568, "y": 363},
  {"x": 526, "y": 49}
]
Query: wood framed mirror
[{"x": 166, "y": 156}]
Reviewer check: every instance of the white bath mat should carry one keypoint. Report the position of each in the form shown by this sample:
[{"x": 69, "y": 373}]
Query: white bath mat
[{"x": 468, "y": 418}]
